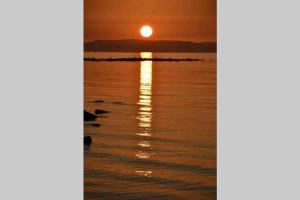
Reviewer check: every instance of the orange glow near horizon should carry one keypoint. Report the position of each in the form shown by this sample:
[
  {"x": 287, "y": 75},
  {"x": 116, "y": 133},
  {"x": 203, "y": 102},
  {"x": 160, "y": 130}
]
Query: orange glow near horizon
[{"x": 188, "y": 20}]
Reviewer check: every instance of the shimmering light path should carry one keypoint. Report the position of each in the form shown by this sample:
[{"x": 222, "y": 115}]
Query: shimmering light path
[{"x": 145, "y": 111}]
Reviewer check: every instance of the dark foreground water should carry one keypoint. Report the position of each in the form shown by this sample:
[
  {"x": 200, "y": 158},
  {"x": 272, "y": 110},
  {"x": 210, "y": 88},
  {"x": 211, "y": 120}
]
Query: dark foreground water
[{"x": 159, "y": 139}]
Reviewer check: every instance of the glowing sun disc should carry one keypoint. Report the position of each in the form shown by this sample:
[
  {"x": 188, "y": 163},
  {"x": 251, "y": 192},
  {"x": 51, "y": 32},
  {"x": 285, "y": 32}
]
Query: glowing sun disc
[{"x": 146, "y": 31}]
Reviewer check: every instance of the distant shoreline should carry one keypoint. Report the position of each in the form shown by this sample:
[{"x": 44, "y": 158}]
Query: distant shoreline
[
  {"x": 135, "y": 45},
  {"x": 133, "y": 59}
]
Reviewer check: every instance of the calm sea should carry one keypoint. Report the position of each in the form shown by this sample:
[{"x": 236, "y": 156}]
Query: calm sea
[{"x": 158, "y": 140}]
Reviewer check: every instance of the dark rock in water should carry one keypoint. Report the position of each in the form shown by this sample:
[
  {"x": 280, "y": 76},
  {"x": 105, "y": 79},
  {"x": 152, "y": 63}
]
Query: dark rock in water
[
  {"x": 87, "y": 140},
  {"x": 99, "y": 101},
  {"x": 95, "y": 125},
  {"x": 92, "y": 125},
  {"x": 100, "y": 111},
  {"x": 101, "y": 116},
  {"x": 89, "y": 116},
  {"x": 118, "y": 103}
]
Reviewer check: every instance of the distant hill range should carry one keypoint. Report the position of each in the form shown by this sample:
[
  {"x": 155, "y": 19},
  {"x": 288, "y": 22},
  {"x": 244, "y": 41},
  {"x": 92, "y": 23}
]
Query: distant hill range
[{"x": 148, "y": 45}]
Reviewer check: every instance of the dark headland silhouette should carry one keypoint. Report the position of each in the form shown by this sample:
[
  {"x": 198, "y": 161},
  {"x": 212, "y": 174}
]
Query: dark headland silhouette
[
  {"x": 132, "y": 59},
  {"x": 148, "y": 46}
]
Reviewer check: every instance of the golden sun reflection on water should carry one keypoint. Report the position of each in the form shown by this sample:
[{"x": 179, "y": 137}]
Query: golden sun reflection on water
[
  {"x": 145, "y": 111},
  {"x": 145, "y": 106}
]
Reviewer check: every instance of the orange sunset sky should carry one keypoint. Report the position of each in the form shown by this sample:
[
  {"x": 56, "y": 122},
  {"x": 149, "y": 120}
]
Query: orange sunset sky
[{"x": 193, "y": 20}]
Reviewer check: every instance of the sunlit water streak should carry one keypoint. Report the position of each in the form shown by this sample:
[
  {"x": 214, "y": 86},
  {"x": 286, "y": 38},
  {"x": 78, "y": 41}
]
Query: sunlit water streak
[{"x": 145, "y": 111}]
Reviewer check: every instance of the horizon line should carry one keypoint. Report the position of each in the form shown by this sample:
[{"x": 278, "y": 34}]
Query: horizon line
[{"x": 161, "y": 40}]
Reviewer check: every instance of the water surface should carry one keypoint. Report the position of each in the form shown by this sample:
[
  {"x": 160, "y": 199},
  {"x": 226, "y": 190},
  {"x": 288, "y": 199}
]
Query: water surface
[{"x": 159, "y": 139}]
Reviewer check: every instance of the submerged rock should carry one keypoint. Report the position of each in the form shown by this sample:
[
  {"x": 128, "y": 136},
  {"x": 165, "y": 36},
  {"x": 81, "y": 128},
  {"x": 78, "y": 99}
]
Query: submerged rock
[
  {"x": 89, "y": 116},
  {"x": 97, "y": 111},
  {"x": 92, "y": 125},
  {"x": 87, "y": 140},
  {"x": 95, "y": 125},
  {"x": 118, "y": 103},
  {"x": 99, "y": 101}
]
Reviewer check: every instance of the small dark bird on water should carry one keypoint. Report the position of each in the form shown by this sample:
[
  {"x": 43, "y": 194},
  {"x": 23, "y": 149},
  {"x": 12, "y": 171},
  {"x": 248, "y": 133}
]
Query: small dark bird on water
[{"x": 87, "y": 140}]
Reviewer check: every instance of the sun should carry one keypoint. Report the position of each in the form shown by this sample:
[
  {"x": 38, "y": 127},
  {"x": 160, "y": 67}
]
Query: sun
[{"x": 146, "y": 31}]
